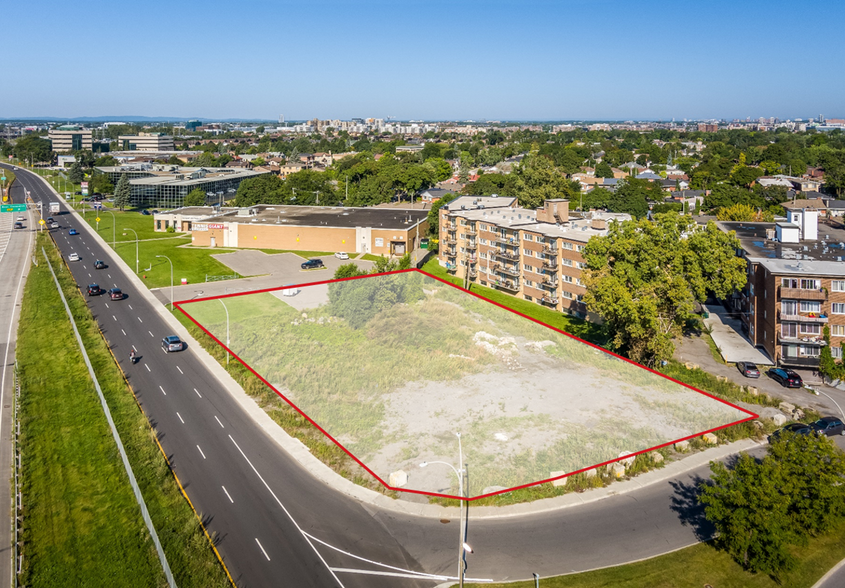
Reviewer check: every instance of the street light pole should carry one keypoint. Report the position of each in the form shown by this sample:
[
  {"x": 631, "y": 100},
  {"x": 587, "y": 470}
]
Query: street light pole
[
  {"x": 171, "y": 280},
  {"x": 817, "y": 392},
  {"x": 536, "y": 579},
  {"x": 227, "y": 332},
  {"x": 136, "y": 248},
  {"x": 113, "y": 229}
]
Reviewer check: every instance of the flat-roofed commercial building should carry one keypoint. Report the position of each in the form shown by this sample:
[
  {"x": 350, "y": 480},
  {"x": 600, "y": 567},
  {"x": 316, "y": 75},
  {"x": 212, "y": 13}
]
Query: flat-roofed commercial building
[
  {"x": 166, "y": 186},
  {"x": 70, "y": 138},
  {"x": 145, "y": 142},
  {"x": 379, "y": 231},
  {"x": 531, "y": 254}
]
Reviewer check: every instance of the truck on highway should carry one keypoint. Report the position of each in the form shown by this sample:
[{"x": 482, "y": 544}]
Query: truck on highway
[{"x": 54, "y": 208}]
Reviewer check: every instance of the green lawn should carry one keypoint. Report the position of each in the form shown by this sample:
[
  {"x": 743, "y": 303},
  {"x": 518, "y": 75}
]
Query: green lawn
[
  {"x": 81, "y": 524},
  {"x": 141, "y": 224},
  {"x": 703, "y": 565}
]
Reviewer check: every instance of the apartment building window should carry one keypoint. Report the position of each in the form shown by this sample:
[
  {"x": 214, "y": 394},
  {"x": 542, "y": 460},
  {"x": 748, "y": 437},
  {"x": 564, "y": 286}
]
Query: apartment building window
[
  {"x": 527, "y": 267},
  {"x": 567, "y": 262},
  {"x": 789, "y": 307},
  {"x": 837, "y": 285},
  {"x": 567, "y": 295},
  {"x": 803, "y": 284},
  {"x": 811, "y": 329},
  {"x": 579, "y": 282},
  {"x": 789, "y": 330},
  {"x": 567, "y": 279},
  {"x": 527, "y": 252},
  {"x": 837, "y": 330},
  {"x": 579, "y": 248},
  {"x": 483, "y": 255},
  {"x": 529, "y": 283},
  {"x": 565, "y": 245},
  {"x": 462, "y": 262},
  {"x": 809, "y": 350},
  {"x": 527, "y": 297},
  {"x": 580, "y": 265},
  {"x": 837, "y": 308},
  {"x": 811, "y": 306},
  {"x": 836, "y": 352}
]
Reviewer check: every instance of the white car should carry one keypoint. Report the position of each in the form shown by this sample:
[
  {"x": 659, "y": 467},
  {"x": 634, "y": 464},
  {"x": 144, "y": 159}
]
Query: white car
[
  {"x": 341, "y": 255},
  {"x": 55, "y": 225},
  {"x": 20, "y": 219},
  {"x": 73, "y": 257}
]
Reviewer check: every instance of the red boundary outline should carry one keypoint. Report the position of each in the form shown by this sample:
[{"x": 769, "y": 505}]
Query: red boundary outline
[{"x": 468, "y": 499}]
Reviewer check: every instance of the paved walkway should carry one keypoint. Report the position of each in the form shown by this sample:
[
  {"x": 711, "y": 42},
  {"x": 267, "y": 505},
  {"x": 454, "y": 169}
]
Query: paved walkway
[{"x": 731, "y": 341}]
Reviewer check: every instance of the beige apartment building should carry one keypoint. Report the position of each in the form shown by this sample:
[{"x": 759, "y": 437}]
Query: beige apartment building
[
  {"x": 70, "y": 138},
  {"x": 535, "y": 255}
]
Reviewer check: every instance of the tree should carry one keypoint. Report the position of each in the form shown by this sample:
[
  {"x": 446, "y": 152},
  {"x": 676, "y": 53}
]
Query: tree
[
  {"x": 827, "y": 364},
  {"x": 743, "y": 212},
  {"x": 348, "y": 270},
  {"x": 106, "y": 161},
  {"x": 643, "y": 279},
  {"x": 537, "y": 179},
  {"x": 604, "y": 171},
  {"x": 75, "y": 174},
  {"x": 33, "y": 148},
  {"x": 122, "y": 192},
  {"x": 100, "y": 183},
  {"x": 259, "y": 129},
  {"x": 195, "y": 197},
  {"x": 434, "y": 218},
  {"x": 263, "y": 189}
]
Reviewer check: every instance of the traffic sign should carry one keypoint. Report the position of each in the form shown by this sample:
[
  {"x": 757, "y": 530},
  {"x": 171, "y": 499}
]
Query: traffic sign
[
  {"x": 98, "y": 219},
  {"x": 12, "y": 207},
  {"x": 42, "y": 222},
  {"x": 3, "y": 178}
]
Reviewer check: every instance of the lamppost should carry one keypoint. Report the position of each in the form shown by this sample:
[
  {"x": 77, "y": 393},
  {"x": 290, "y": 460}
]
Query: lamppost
[
  {"x": 227, "y": 332},
  {"x": 463, "y": 547},
  {"x": 113, "y": 229},
  {"x": 536, "y": 579},
  {"x": 816, "y": 391},
  {"x": 171, "y": 280},
  {"x": 136, "y": 248}
]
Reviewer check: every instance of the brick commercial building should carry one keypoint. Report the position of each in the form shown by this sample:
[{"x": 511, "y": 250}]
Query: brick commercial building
[
  {"x": 531, "y": 254},
  {"x": 795, "y": 288},
  {"x": 379, "y": 231}
]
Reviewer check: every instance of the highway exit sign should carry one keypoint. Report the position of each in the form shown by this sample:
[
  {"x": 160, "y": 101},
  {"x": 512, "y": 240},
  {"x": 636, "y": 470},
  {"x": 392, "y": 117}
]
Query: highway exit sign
[{"x": 12, "y": 207}]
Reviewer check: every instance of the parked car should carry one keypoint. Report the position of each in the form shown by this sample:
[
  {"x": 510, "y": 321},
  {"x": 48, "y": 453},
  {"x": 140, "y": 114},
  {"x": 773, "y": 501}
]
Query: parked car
[
  {"x": 794, "y": 428},
  {"x": 115, "y": 294},
  {"x": 312, "y": 264},
  {"x": 829, "y": 425},
  {"x": 94, "y": 290},
  {"x": 99, "y": 264},
  {"x": 172, "y": 343},
  {"x": 73, "y": 232},
  {"x": 146, "y": 212},
  {"x": 341, "y": 255},
  {"x": 18, "y": 225},
  {"x": 748, "y": 369},
  {"x": 786, "y": 378},
  {"x": 73, "y": 257}
]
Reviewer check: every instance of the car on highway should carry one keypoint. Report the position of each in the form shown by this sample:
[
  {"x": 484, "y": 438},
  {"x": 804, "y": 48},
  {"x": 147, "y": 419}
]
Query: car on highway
[
  {"x": 829, "y": 425},
  {"x": 20, "y": 218},
  {"x": 54, "y": 225},
  {"x": 49, "y": 219},
  {"x": 341, "y": 255},
  {"x": 748, "y": 369},
  {"x": 794, "y": 428},
  {"x": 312, "y": 264},
  {"x": 172, "y": 343},
  {"x": 73, "y": 257},
  {"x": 18, "y": 225},
  {"x": 786, "y": 378},
  {"x": 94, "y": 290},
  {"x": 99, "y": 264},
  {"x": 116, "y": 294},
  {"x": 73, "y": 232}
]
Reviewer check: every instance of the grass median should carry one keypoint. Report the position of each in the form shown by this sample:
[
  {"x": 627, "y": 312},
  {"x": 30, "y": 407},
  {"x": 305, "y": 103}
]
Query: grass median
[{"x": 82, "y": 525}]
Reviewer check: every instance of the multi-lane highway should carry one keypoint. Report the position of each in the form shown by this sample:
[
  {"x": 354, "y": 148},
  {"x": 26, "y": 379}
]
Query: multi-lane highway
[{"x": 277, "y": 525}]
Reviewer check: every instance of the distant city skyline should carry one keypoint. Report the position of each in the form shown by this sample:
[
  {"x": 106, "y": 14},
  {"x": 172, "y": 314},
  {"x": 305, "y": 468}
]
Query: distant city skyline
[{"x": 536, "y": 60}]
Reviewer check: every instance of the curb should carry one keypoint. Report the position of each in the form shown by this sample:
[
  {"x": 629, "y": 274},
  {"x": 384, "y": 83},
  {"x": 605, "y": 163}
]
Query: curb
[
  {"x": 326, "y": 475},
  {"x": 828, "y": 575}
]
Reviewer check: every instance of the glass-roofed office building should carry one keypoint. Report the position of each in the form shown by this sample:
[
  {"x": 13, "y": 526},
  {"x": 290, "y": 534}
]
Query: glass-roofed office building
[{"x": 165, "y": 186}]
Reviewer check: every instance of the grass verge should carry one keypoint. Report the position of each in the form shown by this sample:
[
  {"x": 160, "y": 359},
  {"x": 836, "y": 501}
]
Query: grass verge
[
  {"x": 81, "y": 521},
  {"x": 704, "y": 565}
]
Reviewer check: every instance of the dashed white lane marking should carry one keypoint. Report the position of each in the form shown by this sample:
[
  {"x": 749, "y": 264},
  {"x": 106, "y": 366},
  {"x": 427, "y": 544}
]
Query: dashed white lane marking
[
  {"x": 114, "y": 317},
  {"x": 139, "y": 319},
  {"x": 109, "y": 275},
  {"x": 227, "y": 494},
  {"x": 130, "y": 306},
  {"x": 89, "y": 274},
  {"x": 151, "y": 333},
  {"x": 218, "y": 422},
  {"x": 124, "y": 332},
  {"x": 134, "y": 349},
  {"x": 262, "y": 549},
  {"x": 162, "y": 389},
  {"x": 180, "y": 418},
  {"x": 201, "y": 453},
  {"x": 148, "y": 368},
  {"x": 107, "y": 304},
  {"x": 180, "y": 370},
  {"x": 197, "y": 391}
]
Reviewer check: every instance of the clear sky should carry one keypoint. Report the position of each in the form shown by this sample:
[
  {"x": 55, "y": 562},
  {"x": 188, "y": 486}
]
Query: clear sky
[{"x": 424, "y": 59}]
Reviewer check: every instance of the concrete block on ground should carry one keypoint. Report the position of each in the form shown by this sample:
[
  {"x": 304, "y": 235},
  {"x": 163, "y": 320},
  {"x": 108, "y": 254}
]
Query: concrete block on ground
[
  {"x": 753, "y": 391},
  {"x": 561, "y": 481},
  {"x": 797, "y": 414},
  {"x": 710, "y": 438},
  {"x": 618, "y": 470},
  {"x": 590, "y": 473},
  {"x": 682, "y": 446},
  {"x": 398, "y": 478},
  {"x": 628, "y": 461},
  {"x": 778, "y": 419},
  {"x": 656, "y": 457},
  {"x": 786, "y": 408},
  {"x": 688, "y": 365}
]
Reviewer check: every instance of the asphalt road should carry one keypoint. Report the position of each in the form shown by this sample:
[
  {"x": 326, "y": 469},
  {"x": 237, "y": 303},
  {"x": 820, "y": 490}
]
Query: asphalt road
[
  {"x": 15, "y": 246},
  {"x": 278, "y": 526}
]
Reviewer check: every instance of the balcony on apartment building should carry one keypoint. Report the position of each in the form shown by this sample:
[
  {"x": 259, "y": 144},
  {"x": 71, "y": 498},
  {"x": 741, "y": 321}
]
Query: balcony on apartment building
[
  {"x": 805, "y": 361},
  {"x": 449, "y": 253},
  {"x": 504, "y": 254},
  {"x": 450, "y": 240},
  {"x": 550, "y": 282},
  {"x": 802, "y": 339},
  {"x": 512, "y": 285},
  {"x": 507, "y": 269},
  {"x": 473, "y": 274},
  {"x": 471, "y": 245},
  {"x": 550, "y": 264},
  {"x": 550, "y": 248},
  {"x": 812, "y": 317},
  {"x": 451, "y": 267},
  {"x": 504, "y": 240},
  {"x": 549, "y": 300},
  {"x": 470, "y": 231},
  {"x": 802, "y": 294}
]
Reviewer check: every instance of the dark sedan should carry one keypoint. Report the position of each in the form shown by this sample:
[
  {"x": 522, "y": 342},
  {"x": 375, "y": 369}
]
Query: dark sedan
[
  {"x": 312, "y": 264},
  {"x": 786, "y": 378},
  {"x": 829, "y": 426},
  {"x": 794, "y": 429},
  {"x": 116, "y": 294},
  {"x": 94, "y": 290},
  {"x": 748, "y": 369},
  {"x": 99, "y": 264}
]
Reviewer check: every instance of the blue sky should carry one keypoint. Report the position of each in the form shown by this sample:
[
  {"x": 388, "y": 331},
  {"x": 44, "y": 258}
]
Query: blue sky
[{"x": 432, "y": 59}]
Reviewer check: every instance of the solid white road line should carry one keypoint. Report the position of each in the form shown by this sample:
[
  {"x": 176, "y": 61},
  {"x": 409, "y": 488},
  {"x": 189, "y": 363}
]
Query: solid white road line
[
  {"x": 227, "y": 494},
  {"x": 262, "y": 549},
  {"x": 180, "y": 370},
  {"x": 295, "y": 524},
  {"x": 148, "y": 367},
  {"x": 162, "y": 389},
  {"x": 201, "y": 453},
  {"x": 180, "y": 418},
  {"x": 218, "y": 422},
  {"x": 197, "y": 391}
]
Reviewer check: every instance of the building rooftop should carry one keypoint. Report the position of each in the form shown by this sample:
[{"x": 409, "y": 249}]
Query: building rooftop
[
  {"x": 332, "y": 216},
  {"x": 757, "y": 241},
  {"x": 466, "y": 202},
  {"x": 801, "y": 267}
]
